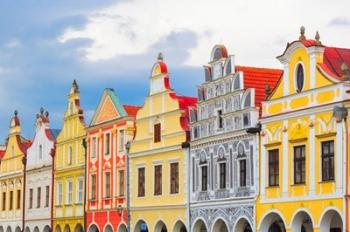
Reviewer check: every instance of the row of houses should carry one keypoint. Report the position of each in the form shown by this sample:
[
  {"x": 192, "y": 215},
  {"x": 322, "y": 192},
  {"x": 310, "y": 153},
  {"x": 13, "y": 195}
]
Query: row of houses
[{"x": 259, "y": 150}]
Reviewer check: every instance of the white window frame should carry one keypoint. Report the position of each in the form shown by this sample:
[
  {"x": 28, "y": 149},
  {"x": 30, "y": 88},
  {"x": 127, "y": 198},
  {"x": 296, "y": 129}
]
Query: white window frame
[
  {"x": 69, "y": 199},
  {"x": 79, "y": 197}
]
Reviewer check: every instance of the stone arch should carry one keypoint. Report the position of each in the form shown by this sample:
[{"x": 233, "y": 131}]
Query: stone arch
[
  {"x": 8, "y": 229},
  {"x": 47, "y": 228},
  {"x": 66, "y": 228},
  {"x": 122, "y": 228},
  {"x": 78, "y": 228},
  {"x": 160, "y": 227},
  {"x": 93, "y": 228},
  {"x": 243, "y": 225},
  {"x": 1, "y": 229},
  {"x": 27, "y": 229},
  {"x": 200, "y": 226},
  {"x": 36, "y": 229},
  {"x": 18, "y": 229},
  {"x": 331, "y": 220},
  {"x": 179, "y": 227},
  {"x": 272, "y": 222},
  {"x": 302, "y": 221},
  {"x": 141, "y": 226},
  {"x": 220, "y": 225},
  {"x": 58, "y": 228},
  {"x": 108, "y": 228}
]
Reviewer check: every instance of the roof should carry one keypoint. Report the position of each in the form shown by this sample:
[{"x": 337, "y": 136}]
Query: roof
[
  {"x": 333, "y": 58},
  {"x": 258, "y": 78},
  {"x": 52, "y": 133},
  {"x": 131, "y": 110},
  {"x": 2, "y": 153}
]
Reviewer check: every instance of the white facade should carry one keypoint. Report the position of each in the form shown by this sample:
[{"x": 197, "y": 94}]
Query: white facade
[{"x": 39, "y": 177}]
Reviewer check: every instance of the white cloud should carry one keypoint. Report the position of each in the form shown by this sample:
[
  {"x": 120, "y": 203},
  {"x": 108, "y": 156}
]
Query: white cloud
[
  {"x": 14, "y": 43},
  {"x": 249, "y": 28}
]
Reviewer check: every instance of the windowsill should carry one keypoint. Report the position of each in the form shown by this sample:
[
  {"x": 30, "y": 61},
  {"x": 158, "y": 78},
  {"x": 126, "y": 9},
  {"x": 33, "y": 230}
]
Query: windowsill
[
  {"x": 272, "y": 187},
  {"x": 79, "y": 203},
  {"x": 157, "y": 195},
  {"x": 174, "y": 194},
  {"x": 326, "y": 181},
  {"x": 106, "y": 198},
  {"x": 296, "y": 185},
  {"x": 93, "y": 199},
  {"x": 141, "y": 196},
  {"x": 68, "y": 204}
]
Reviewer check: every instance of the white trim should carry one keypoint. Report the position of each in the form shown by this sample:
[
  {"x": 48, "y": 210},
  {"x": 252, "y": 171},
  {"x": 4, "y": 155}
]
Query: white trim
[
  {"x": 275, "y": 211},
  {"x": 312, "y": 158},
  {"x": 222, "y": 219},
  {"x": 285, "y": 159}
]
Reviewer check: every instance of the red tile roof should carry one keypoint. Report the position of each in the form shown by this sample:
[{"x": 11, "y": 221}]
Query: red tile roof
[
  {"x": 333, "y": 58},
  {"x": 131, "y": 110},
  {"x": 2, "y": 153},
  {"x": 257, "y": 78}
]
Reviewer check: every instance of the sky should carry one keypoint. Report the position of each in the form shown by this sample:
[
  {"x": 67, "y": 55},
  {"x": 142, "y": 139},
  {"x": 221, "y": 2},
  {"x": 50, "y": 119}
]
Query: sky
[{"x": 45, "y": 45}]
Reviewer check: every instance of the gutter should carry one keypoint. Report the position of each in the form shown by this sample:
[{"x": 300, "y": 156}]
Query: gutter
[{"x": 186, "y": 146}]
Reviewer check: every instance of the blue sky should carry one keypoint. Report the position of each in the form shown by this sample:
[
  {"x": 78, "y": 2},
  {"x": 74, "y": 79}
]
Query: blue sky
[{"x": 44, "y": 45}]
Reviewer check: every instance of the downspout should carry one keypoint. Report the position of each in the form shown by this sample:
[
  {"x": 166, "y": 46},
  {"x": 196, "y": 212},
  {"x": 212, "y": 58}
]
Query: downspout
[
  {"x": 24, "y": 161},
  {"x": 85, "y": 180},
  {"x": 53, "y": 151},
  {"x": 127, "y": 146},
  {"x": 186, "y": 146}
]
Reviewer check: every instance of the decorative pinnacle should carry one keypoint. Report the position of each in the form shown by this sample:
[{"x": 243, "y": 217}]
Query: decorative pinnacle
[
  {"x": 267, "y": 90},
  {"x": 160, "y": 56},
  {"x": 41, "y": 110},
  {"x": 302, "y": 33},
  {"x": 317, "y": 38},
  {"x": 46, "y": 113},
  {"x": 75, "y": 84},
  {"x": 16, "y": 112}
]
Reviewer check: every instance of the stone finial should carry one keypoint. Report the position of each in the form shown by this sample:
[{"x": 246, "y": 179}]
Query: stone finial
[
  {"x": 317, "y": 38},
  {"x": 160, "y": 56},
  {"x": 75, "y": 84},
  {"x": 41, "y": 110},
  {"x": 267, "y": 90},
  {"x": 302, "y": 33},
  {"x": 46, "y": 113},
  {"x": 16, "y": 113},
  {"x": 345, "y": 71}
]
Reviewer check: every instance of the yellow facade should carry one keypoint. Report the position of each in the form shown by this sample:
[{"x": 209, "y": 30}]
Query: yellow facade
[
  {"x": 69, "y": 168},
  {"x": 294, "y": 118},
  {"x": 166, "y": 209}
]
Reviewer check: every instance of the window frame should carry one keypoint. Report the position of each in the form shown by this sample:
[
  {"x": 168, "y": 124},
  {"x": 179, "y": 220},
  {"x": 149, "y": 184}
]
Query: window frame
[
  {"x": 174, "y": 178},
  {"x": 121, "y": 174},
  {"x": 38, "y": 197},
  {"x": 299, "y": 161},
  {"x": 141, "y": 186},
  {"x": 296, "y": 77},
  {"x": 330, "y": 157},
  {"x": 243, "y": 172},
  {"x": 93, "y": 184},
  {"x": 273, "y": 165},
  {"x": 158, "y": 177},
  {"x": 204, "y": 184},
  {"x": 157, "y": 132},
  {"x": 107, "y": 184},
  {"x": 222, "y": 175}
]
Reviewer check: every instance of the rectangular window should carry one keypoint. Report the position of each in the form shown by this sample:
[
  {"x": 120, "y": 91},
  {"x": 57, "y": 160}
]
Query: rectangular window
[
  {"x": 141, "y": 182},
  {"x": 70, "y": 192},
  {"x": 157, "y": 132},
  {"x": 222, "y": 175},
  {"x": 70, "y": 155},
  {"x": 327, "y": 160},
  {"x": 273, "y": 168},
  {"x": 299, "y": 164},
  {"x": 220, "y": 119},
  {"x": 121, "y": 183},
  {"x": 204, "y": 178},
  {"x": 121, "y": 140},
  {"x": 18, "y": 206},
  {"x": 243, "y": 173},
  {"x": 158, "y": 180},
  {"x": 4, "y": 201},
  {"x": 11, "y": 200},
  {"x": 107, "y": 184},
  {"x": 108, "y": 143},
  {"x": 47, "y": 196},
  {"x": 93, "y": 147},
  {"x": 38, "y": 197},
  {"x": 93, "y": 186},
  {"x": 30, "y": 198},
  {"x": 80, "y": 191},
  {"x": 59, "y": 193},
  {"x": 174, "y": 178}
]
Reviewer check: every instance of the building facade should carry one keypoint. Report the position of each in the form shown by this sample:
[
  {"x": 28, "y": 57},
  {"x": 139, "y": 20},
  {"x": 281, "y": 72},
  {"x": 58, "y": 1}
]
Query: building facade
[
  {"x": 159, "y": 158},
  {"x": 12, "y": 179},
  {"x": 69, "y": 168},
  {"x": 304, "y": 141},
  {"x": 112, "y": 126},
  {"x": 38, "y": 192},
  {"x": 224, "y": 144}
]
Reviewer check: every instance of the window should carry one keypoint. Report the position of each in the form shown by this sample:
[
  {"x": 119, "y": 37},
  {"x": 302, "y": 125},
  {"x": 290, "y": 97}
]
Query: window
[
  {"x": 220, "y": 119},
  {"x": 121, "y": 140},
  {"x": 121, "y": 183},
  {"x": 47, "y": 196},
  {"x": 222, "y": 168},
  {"x": 328, "y": 160},
  {"x": 299, "y": 164},
  {"x": 70, "y": 192},
  {"x": 18, "y": 206},
  {"x": 11, "y": 200},
  {"x": 80, "y": 191},
  {"x": 157, "y": 130},
  {"x": 141, "y": 182},
  {"x": 273, "y": 168},
  {"x": 174, "y": 178},
  {"x": 204, "y": 178},
  {"x": 40, "y": 152},
  {"x": 300, "y": 78},
  {"x": 93, "y": 186},
  {"x": 107, "y": 184},
  {"x": 30, "y": 198},
  {"x": 38, "y": 197},
  {"x": 108, "y": 143},
  {"x": 59, "y": 194},
  {"x": 4, "y": 201},
  {"x": 243, "y": 173},
  {"x": 158, "y": 180},
  {"x": 70, "y": 155},
  {"x": 94, "y": 147}
]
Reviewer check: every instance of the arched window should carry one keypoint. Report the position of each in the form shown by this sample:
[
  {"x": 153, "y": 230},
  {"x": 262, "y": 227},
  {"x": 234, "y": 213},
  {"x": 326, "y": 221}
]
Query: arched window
[{"x": 299, "y": 78}]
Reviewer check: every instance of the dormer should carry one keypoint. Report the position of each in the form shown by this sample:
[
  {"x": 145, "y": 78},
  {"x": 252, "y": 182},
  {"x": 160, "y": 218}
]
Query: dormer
[{"x": 159, "y": 79}]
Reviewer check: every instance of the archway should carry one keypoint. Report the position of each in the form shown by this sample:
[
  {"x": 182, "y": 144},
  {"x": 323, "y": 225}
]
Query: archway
[
  {"x": 66, "y": 228},
  {"x": 179, "y": 227},
  {"x": 58, "y": 228},
  {"x": 36, "y": 229},
  {"x": 78, "y": 228},
  {"x": 8, "y": 229},
  {"x": 122, "y": 228},
  {"x": 1, "y": 229},
  {"x": 220, "y": 226},
  {"x": 25, "y": 230},
  {"x": 141, "y": 226},
  {"x": 272, "y": 222},
  {"x": 46, "y": 229},
  {"x": 18, "y": 229},
  {"x": 160, "y": 227},
  {"x": 302, "y": 222},
  {"x": 243, "y": 225},
  {"x": 108, "y": 228},
  {"x": 199, "y": 226},
  {"x": 93, "y": 228},
  {"x": 331, "y": 221}
]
